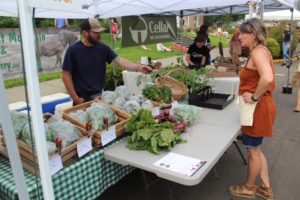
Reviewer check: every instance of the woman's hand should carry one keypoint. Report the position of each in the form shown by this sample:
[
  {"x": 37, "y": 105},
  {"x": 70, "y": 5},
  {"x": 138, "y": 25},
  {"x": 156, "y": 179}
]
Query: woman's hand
[{"x": 247, "y": 97}]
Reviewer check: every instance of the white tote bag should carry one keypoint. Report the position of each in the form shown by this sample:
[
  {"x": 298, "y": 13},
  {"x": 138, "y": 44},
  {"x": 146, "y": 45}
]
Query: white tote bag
[{"x": 246, "y": 112}]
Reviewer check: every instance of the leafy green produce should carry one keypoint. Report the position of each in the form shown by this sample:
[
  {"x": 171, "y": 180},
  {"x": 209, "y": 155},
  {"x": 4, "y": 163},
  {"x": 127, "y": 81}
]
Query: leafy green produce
[
  {"x": 156, "y": 93},
  {"x": 149, "y": 134}
]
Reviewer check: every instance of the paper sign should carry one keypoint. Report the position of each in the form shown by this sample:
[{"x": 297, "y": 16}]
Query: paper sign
[
  {"x": 155, "y": 111},
  {"x": 55, "y": 165},
  {"x": 108, "y": 136},
  {"x": 84, "y": 147},
  {"x": 180, "y": 163}
]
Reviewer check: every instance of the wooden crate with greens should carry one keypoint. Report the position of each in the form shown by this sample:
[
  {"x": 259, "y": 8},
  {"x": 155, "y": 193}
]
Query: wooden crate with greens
[{"x": 121, "y": 118}]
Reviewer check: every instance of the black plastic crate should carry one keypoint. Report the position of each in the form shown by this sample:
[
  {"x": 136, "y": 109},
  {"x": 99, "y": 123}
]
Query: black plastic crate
[{"x": 215, "y": 100}]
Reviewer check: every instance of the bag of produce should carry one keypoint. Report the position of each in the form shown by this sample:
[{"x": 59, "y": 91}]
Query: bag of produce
[
  {"x": 26, "y": 135},
  {"x": 119, "y": 102},
  {"x": 185, "y": 113},
  {"x": 18, "y": 120},
  {"x": 135, "y": 98},
  {"x": 96, "y": 114},
  {"x": 80, "y": 115},
  {"x": 64, "y": 130},
  {"x": 122, "y": 91},
  {"x": 131, "y": 106},
  {"x": 108, "y": 96},
  {"x": 51, "y": 147},
  {"x": 147, "y": 105}
]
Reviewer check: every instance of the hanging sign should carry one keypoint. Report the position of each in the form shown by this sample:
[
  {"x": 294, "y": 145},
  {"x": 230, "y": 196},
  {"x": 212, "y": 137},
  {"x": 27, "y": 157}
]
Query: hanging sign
[
  {"x": 64, "y": 5},
  {"x": 148, "y": 29}
]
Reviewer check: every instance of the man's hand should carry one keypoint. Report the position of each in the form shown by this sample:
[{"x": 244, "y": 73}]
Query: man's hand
[
  {"x": 145, "y": 69},
  {"x": 78, "y": 100}
]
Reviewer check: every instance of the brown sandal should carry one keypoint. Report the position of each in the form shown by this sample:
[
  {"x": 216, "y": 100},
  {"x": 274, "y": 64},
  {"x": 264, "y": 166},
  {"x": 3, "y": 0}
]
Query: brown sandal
[
  {"x": 265, "y": 192},
  {"x": 239, "y": 190}
]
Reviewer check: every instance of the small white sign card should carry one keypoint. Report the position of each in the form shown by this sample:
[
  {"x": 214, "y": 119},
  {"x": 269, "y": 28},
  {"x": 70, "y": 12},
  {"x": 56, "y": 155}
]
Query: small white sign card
[
  {"x": 155, "y": 111},
  {"x": 55, "y": 164},
  {"x": 84, "y": 146},
  {"x": 180, "y": 163},
  {"x": 108, "y": 136}
]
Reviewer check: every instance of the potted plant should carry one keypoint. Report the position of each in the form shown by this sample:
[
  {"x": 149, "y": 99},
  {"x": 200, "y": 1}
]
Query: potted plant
[{"x": 198, "y": 84}]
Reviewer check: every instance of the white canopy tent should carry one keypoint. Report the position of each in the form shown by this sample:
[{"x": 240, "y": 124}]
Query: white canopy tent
[
  {"x": 283, "y": 15},
  {"x": 105, "y": 9},
  {"x": 116, "y": 8}
]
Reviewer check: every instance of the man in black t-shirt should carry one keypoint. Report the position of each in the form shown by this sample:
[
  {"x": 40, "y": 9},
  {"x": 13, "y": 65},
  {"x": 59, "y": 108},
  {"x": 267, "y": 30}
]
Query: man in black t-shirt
[
  {"x": 286, "y": 44},
  {"x": 85, "y": 61},
  {"x": 197, "y": 53}
]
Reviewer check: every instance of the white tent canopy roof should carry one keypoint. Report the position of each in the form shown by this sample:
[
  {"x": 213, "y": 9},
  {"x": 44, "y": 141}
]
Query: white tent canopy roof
[
  {"x": 116, "y": 8},
  {"x": 284, "y": 15}
]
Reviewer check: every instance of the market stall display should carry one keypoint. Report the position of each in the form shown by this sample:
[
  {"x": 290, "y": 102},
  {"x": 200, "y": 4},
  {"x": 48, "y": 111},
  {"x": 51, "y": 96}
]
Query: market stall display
[
  {"x": 123, "y": 99},
  {"x": 62, "y": 139},
  {"x": 100, "y": 117}
]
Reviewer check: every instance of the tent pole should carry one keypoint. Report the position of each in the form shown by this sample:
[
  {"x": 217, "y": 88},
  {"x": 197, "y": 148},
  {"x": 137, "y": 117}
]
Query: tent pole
[
  {"x": 113, "y": 47},
  {"x": 287, "y": 89},
  {"x": 28, "y": 49},
  {"x": 262, "y": 5},
  {"x": 181, "y": 32}
]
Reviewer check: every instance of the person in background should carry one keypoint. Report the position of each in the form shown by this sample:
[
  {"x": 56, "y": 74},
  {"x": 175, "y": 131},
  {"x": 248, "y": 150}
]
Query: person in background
[
  {"x": 114, "y": 28},
  {"x": 203, "y": 31},
  {"x": 286, "y": 44},
  {"x": 197, "y": 53},
  {"x": 257, "y": 82},
  {"x": 61, "y": 23},
  {"x": 85, "y": 61},
  {"x": 235, "y": 47}
]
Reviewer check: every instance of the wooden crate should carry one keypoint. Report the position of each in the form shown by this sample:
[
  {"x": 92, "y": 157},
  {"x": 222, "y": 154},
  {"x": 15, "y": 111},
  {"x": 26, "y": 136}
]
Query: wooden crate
[
  {"x": 68, "y": 154},
  {"x": 123, "y": 117}
]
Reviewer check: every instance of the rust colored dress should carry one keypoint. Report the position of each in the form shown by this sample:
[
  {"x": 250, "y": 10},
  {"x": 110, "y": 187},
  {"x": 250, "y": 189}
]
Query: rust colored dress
[{"x": 265, "y": 111}]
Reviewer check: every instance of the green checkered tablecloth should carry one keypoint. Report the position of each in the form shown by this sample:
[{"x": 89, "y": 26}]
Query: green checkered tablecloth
[{"x": 85, "y": 179}]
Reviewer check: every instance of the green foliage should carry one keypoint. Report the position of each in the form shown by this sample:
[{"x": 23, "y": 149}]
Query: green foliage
[
  {"x": 156, "y": 93},
  {"x": 110, "y": 78},
  {"x": 105, "y": 24},
  {"x": 44, "y": 23},
  {"x": 273, "y": 47},
  {"x": 9, "y": 22},
  {"x": 148, "y": 134},
  {"x": 196, "y": 80},
  {"x": 276, "y": 32}
]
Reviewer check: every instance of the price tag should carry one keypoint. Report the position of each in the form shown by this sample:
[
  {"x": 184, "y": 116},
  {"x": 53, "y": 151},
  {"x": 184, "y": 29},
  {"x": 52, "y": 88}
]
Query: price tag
[
  {"x": 155, "y": 111},
  {"x": 108, "y": 136},
  {"x": 84, "y": 147},
  {"x": 55, "y": 165}
]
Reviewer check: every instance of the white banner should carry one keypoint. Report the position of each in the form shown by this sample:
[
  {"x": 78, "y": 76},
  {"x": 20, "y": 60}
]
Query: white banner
[{"x": 64, "y": 5}]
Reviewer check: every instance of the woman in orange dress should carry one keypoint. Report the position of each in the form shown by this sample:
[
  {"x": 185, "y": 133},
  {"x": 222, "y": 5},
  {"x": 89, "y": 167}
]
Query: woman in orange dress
[{"x": 257, "y": 82}]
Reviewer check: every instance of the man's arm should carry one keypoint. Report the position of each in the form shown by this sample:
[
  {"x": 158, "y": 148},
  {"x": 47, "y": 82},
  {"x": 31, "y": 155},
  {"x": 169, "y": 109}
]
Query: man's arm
[
  {"x": 132, "y": 66},
  {"x": 66, "y": 78},
  {"x": 188, "y": 59},
  {"x": 203, "y": 61}
]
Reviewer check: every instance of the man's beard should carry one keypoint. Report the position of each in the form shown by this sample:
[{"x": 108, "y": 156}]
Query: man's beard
[{"x": 93, "y": 41}]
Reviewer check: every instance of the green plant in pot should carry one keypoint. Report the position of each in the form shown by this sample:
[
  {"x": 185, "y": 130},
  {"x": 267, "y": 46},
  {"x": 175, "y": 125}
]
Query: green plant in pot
[{"x": 198, "y": 84}]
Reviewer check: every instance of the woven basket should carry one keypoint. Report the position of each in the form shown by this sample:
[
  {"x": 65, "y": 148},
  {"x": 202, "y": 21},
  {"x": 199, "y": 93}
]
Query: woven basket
[
  {"x": 179, "y": 90},
  {"x": 181, "y": 70}
]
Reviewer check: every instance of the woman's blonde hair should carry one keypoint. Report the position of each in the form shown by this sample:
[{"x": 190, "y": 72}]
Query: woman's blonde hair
[{"x": 257, "y": 27}]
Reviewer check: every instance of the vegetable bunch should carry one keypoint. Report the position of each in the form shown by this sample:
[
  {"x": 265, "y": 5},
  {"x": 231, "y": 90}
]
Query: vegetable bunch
[
  {"x": 158, "y": 93},
  {"x": 149, "y": 134}
]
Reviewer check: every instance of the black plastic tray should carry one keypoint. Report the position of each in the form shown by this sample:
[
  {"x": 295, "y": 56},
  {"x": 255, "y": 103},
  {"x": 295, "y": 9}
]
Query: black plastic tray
[{"x": 216, "y": 101}]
